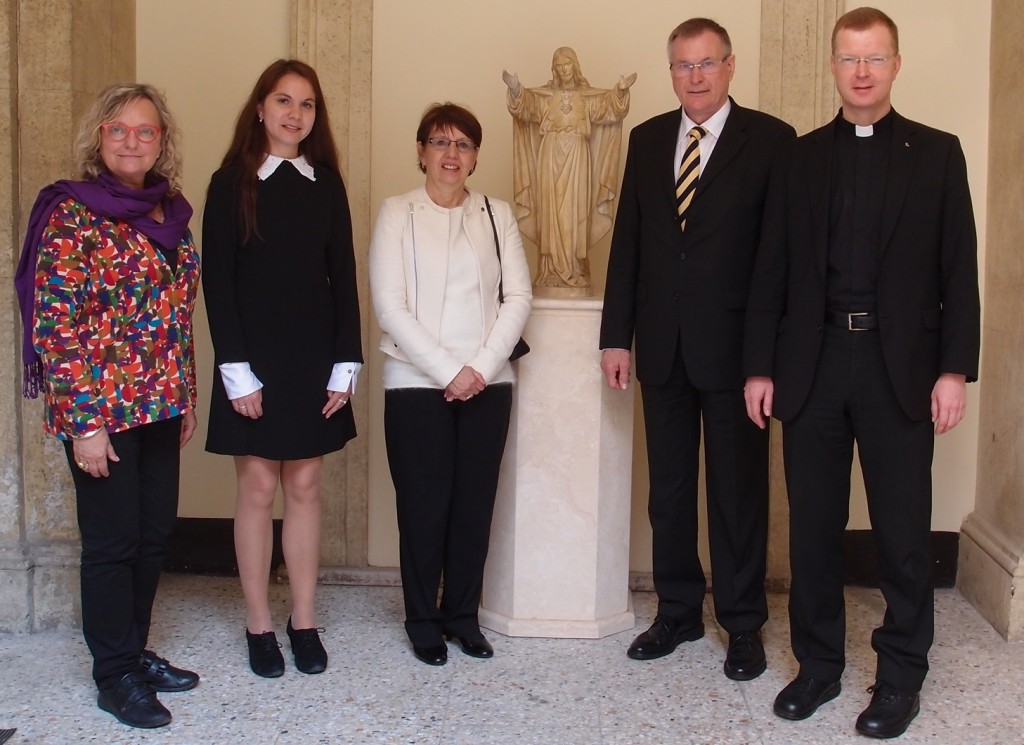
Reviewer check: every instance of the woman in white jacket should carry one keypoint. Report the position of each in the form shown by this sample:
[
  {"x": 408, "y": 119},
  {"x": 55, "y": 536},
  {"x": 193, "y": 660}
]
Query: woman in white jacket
[{"x": 448, "y": 329}]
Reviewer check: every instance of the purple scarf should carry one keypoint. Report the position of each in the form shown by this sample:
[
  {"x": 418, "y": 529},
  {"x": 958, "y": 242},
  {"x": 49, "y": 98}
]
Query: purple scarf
[{"x": 108, "y": 197}]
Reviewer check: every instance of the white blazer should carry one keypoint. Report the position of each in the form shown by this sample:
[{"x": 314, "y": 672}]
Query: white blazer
[{"x": 408, "y": 273}]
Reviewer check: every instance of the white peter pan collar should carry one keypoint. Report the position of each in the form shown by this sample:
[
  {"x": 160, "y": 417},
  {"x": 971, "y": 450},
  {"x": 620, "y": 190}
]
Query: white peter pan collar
[{"x": 272, "y": 162}]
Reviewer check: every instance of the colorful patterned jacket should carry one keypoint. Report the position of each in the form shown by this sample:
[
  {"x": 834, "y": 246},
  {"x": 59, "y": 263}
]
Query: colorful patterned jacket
[{"x": 113, "y": 325}]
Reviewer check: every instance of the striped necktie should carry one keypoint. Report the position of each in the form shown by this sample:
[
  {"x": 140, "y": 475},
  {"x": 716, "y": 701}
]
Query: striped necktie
[{"x": 689, "y": 172}]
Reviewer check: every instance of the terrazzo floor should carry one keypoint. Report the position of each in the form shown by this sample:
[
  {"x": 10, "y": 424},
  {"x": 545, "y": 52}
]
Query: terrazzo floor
[{"x": 544, "y": 691}]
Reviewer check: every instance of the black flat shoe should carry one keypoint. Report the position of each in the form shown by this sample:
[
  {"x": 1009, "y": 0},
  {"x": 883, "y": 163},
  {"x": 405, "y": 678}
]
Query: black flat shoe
[
  {"x": 265, "y": 657},
  {"x": 164, "y": 677},
  {"x": 664, "y": 635},
  {"x": 475, "y": 647},
  {"x": 132, "y": 700},
  {"x": 803, "y": 696},
  {"x": 431, "y": 655},
  {"x": 890, "y": 712},
  {"x": 745, "y": 659},
  {"x": 310, "y": 655}
]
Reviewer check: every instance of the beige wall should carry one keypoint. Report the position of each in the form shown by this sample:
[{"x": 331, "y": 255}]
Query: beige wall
[{"x": 456, "y": 49}]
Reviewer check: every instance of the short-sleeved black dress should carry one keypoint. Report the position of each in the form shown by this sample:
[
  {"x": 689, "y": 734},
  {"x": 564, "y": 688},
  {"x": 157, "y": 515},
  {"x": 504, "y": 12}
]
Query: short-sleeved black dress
[{"x": 286, "y": 303}]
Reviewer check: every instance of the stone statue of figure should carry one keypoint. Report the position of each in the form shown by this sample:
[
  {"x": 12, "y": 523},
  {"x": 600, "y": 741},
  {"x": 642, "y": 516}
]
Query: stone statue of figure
[{"x": 566, "y": 142}]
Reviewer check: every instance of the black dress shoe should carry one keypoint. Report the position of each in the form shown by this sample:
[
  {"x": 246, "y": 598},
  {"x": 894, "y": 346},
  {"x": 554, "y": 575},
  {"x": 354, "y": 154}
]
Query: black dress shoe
[
  {"x": 431, "y": 655},
  {"x": 309, "y": 652},
  {"x": 163, "y": 676},
  {"x": 265, "y": 657},
  {"x": 477, "y": 646},
  {"x": 745, "y": 658},
  {"x": 803, "y": 696},
  {"x": 664, "y": 635},
  {"x": 132, "y": 700},
  {"x": 890, "y": 712}
]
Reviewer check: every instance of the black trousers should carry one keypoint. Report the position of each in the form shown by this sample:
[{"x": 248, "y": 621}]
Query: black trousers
[
  {"x": 736, "y": 459},
  {"x": 125, "y": 520},
  {"x": 444, "y": 459},
  {"x": 852, "y": 400}
]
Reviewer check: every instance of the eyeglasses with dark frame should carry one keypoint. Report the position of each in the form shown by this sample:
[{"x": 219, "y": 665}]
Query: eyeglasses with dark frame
[
  {"x": 442, "y": 143},
  {"x": 118, "y": 132}
]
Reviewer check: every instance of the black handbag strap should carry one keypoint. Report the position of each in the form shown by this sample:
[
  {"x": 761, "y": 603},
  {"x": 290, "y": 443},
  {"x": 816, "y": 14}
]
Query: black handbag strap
[{"x": 497, "y": 248}]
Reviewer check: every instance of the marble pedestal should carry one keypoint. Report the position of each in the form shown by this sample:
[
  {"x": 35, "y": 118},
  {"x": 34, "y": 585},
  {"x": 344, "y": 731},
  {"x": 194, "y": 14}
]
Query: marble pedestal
[{"x": 559, "y": 558}]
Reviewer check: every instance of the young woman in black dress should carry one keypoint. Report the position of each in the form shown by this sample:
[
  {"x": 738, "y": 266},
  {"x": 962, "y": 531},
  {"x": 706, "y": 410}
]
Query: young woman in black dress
[{"x": 280, "y": 287}]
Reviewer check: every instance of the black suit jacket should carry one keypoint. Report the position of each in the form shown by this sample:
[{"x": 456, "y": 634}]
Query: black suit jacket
[
  {"x": 928, "y": 306},
  {"x": 664, "y": 284}
]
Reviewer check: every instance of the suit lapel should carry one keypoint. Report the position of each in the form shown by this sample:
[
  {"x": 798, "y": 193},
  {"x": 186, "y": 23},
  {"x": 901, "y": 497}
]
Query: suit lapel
[
  {"x": 819, "y": 188},
  {"x": 734, "y": 137},
  {"x": 902, "y": 155},
  {"x": 664, "y": 156}
]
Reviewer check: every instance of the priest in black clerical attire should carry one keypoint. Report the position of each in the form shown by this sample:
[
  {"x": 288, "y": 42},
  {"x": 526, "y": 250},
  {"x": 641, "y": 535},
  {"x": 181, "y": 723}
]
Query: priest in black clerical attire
[{"x": 863, "y": 326}]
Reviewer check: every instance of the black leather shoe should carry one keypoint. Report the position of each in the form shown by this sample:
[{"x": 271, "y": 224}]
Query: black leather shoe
[
  {"x": 745, "y": 658},
  {"x": 803, "y": 696},
  {"x": 890, "y": 712},
  {"x": 476, "y": 647},
  {"x": 309, "y": 652},
  {"x": 265, "y": 657},
  {"x": 664, "y": 635},
  {"x": 132, "y": 700},
  {"x": 431, "y": 655},
  {"x": 164, "y": 677}
]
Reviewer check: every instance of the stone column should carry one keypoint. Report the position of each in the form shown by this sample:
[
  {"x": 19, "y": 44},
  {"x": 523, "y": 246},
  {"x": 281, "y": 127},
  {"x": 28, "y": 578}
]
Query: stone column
[
  {"x": 991, "y": 566},
  {"x": 336, "y": 38},
  {"x": 43, "y": 94},
  {"x": 796, "y": 86}
]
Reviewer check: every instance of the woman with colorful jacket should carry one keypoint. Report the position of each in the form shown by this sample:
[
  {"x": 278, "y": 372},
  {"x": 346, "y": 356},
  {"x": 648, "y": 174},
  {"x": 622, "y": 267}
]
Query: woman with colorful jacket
[{"x": 107, "y": 283}]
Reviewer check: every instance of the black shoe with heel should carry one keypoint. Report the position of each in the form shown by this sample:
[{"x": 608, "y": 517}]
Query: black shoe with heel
[
  {"x": 309, "y": 652},
  {"x": 436, "y": 655},
  {"x": 475, "y": 646},
  {"x": 265, "y": 657}
]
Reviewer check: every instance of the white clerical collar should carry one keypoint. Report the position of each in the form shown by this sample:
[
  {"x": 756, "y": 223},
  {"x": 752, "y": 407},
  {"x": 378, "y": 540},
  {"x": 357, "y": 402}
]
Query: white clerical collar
[
  {"x": 272, "y": 162},
  {"x": 864, "y": 131}
]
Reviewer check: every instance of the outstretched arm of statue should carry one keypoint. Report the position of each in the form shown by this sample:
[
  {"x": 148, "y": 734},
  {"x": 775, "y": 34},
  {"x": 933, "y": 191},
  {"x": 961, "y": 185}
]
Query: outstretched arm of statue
[
  {"x": 625, "y": 82},
  {"x": 512, "y": 81}
]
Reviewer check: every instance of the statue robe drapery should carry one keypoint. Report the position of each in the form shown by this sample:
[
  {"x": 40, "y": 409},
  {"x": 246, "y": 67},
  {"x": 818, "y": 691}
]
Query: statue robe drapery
[{"x": 566, "y": 167}]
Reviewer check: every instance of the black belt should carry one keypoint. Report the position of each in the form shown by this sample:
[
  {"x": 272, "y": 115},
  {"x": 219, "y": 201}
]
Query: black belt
[{"x": 852, "y": 321}]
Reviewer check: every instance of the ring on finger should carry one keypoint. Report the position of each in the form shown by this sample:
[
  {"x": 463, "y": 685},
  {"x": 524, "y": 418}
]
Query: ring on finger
[{"x": 84, "y": 465}]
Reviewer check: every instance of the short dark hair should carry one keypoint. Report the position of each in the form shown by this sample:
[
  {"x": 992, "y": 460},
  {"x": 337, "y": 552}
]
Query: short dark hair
[
  {"x": 861, "y": 19},
  {"x": 448, "y": 115},
  {"x": 697, "y": 26}
]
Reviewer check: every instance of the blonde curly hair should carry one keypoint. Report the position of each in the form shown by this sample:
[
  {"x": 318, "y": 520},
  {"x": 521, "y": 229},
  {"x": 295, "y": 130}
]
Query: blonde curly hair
[{"x": 107, "y": 108}]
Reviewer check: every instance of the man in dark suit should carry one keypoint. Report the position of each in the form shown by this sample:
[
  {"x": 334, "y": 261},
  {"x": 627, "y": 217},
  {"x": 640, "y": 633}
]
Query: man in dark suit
[
  {"x": 682, "y": 253},
  {"x": 863, "y": 325}
]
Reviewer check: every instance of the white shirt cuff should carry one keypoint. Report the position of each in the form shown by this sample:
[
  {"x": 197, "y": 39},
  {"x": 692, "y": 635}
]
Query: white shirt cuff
[
  {"x": 239, "y": 379},
  {"x": 343, "y": 374}
]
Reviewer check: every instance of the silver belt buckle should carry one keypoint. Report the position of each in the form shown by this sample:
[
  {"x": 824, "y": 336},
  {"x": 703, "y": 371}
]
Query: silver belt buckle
[{"x": 849, "y": 321}]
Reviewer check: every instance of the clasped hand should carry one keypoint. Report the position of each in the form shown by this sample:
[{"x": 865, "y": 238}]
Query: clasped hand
[{"x": 465, "y": 385}]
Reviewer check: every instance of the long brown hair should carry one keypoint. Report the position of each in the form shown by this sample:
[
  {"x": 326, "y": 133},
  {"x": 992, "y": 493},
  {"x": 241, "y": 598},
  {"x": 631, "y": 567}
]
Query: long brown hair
[{"x": 249, "y": 145}]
